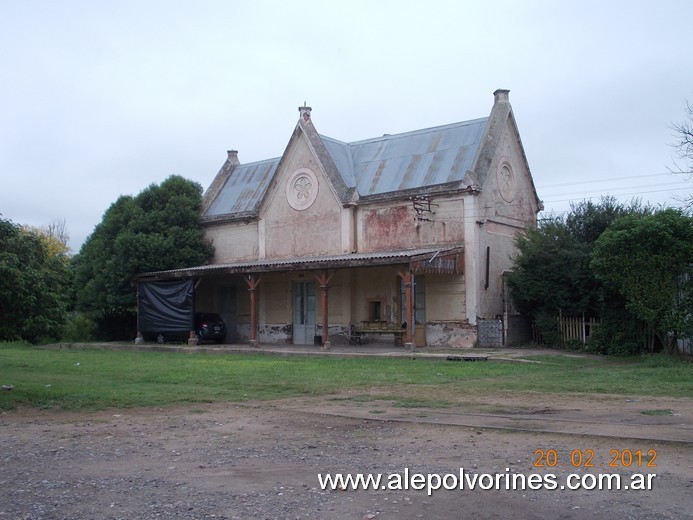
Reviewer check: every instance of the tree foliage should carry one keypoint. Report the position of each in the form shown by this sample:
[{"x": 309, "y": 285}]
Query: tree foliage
[
  {"x": 649, "y": 260},
  {"x": 156, "y": 230},
  {"x": 34, "y": 284},
  {"x": 552, "y": 273},
  {"x": 552, "y": 267},
  {"x": 54, "y": 236}
]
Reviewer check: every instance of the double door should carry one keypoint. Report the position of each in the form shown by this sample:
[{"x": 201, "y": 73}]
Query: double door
[{"x": 304, "y": 313}]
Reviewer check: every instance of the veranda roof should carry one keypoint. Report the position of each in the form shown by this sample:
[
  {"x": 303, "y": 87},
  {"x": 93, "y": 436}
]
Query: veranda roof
[{"x": 422, "y": 260}]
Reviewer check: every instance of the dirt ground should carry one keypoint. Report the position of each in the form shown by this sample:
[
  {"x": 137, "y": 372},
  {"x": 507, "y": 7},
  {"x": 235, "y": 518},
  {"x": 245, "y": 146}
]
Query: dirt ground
[{"x": 262, "y": 460}]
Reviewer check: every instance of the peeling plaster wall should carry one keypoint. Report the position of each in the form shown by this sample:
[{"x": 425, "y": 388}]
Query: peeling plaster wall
[
  {"x": 388, "y": 226},
  {"x": 349, "y": 293},
  {"x": 274, "y": 333},
  {"x": 275, "y": 307},
  {"x": 452, "y": 334},
  {"x": 338, "y": 333}
]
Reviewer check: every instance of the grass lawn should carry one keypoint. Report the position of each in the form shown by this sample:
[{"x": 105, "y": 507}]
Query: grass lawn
[{"x": 95, "y": 379}]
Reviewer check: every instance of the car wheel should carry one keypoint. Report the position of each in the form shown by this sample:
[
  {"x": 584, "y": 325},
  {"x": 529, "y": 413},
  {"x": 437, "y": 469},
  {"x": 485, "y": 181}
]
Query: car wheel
[{"x": 160, "y": 339}]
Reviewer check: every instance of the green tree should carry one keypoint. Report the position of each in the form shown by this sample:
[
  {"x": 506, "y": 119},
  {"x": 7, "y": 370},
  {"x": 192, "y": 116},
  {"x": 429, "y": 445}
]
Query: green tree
[
  {"x": 552, "y": 273},
  {"x": 156, "y": 230},
  {"x": 34, "y": 283},
  {"x": 649, "y": 260}
]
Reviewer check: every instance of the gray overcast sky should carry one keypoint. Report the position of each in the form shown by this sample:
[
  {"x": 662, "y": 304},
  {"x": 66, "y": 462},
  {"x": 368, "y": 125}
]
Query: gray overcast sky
[{"x": 100, "y": 99}]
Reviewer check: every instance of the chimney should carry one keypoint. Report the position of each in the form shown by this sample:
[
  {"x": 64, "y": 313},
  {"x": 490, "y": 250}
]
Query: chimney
[
  {"x": 304, "y": 111},
  {"x": 501, "y": 96},
  {"x": 231, "y": 160}
]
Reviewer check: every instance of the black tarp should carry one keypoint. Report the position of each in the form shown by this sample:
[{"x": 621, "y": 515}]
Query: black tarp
[{"x": 166, "y": 306}]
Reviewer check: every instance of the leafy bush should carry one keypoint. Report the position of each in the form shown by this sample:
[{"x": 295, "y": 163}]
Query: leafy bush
[
  {"x": 548, "y": 329},
  {"x": 34, "y": 285},
  {"x": 79, "y": 327}
]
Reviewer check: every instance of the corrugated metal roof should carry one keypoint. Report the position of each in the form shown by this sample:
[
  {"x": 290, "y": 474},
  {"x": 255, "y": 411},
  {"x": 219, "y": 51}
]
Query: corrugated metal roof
[
  {"x": 416, "y": 159},
  {"x": 341, "y": 155},
  {"x": 384, "y": 164},
  {"x": 301, "y": 262},
  {"x": 244, "y": 188}
]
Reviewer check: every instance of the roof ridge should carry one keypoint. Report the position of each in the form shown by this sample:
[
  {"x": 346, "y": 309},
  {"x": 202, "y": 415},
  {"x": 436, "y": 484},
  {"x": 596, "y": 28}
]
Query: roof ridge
[
  {"x": 420, "y": 131},
  {"x": 259, "y": 162},
  {"x": 407, "y": 133}
]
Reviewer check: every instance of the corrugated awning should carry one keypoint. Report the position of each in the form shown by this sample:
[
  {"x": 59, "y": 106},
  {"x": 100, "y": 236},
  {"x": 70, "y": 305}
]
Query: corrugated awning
[{"x": 426, "y": 261}]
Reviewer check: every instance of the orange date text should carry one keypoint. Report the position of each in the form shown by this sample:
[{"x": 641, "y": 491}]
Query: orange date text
[{"x": 550, "y": 458}]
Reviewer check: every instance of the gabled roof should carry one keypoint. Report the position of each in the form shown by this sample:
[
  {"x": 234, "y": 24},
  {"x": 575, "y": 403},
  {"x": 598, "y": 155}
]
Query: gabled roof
[
  {"x": 244, "y": 188},
  {"x": 381, "y": 166},
  {"x": 399, "y": 162},
  {"x": 386, "y": 164}
]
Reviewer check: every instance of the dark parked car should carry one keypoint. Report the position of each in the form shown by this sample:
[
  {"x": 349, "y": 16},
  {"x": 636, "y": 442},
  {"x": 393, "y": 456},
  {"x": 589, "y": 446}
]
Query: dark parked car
[{"x": 208, "y": 327}]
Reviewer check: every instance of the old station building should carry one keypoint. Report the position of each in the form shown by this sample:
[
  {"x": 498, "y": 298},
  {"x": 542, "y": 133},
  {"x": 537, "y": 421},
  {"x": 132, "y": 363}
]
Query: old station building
[{"x": 402, "y": 237}]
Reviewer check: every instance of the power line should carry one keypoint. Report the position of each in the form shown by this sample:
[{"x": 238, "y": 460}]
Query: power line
[
  {"x": 608, "y": 179},
  {"x": 599, "y": 196},
  {"x": 674, "y": 187}
]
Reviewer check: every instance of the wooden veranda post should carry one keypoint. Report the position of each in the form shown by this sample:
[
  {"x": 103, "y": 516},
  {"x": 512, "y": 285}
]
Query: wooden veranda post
[
  {"x": 407, "y": 280},
  {"x": 253, "y": 281},
  {"x": 323, "y": 280},
  {"x": 139, "y": 339}
]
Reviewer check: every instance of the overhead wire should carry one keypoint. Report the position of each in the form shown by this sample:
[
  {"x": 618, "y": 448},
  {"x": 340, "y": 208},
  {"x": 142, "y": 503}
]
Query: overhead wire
[
  {"x": 575, "y": 197},
  {"x": 607, "y": 179}
]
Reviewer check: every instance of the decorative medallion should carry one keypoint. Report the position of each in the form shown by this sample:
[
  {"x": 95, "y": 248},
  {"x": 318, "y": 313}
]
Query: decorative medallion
[
  {"x": 506, "y": 182},
  {"x": 302, "y": 189}
]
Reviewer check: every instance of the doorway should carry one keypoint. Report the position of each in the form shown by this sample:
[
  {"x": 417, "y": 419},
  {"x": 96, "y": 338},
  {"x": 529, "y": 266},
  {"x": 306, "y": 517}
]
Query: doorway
[
  {"x": 304, "y": 313},
  {"x": 419, "y": 297}
]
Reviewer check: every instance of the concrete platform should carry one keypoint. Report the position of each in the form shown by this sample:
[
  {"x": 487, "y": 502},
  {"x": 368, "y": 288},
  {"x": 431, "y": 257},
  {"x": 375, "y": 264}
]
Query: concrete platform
[{"x": 344, "y": 351}]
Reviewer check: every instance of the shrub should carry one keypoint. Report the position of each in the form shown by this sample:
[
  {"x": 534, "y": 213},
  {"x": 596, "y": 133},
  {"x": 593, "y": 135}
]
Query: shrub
[{"x": 79, "y": 327}]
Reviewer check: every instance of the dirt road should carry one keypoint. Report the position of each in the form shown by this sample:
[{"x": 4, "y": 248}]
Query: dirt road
[{"x": 262, "y": 460}]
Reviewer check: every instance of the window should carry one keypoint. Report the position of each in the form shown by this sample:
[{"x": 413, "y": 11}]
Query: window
[{"x": 376, "y": 309}]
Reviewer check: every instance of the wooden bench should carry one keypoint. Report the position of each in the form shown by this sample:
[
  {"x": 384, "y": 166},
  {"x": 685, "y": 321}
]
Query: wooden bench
[{"x": 358, "y": 334}]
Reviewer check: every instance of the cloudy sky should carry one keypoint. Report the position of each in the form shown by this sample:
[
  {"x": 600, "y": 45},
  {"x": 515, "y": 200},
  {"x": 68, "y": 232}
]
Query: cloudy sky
[{"x": 101, "y": 99}]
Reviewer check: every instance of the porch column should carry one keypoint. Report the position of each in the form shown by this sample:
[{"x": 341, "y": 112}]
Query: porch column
[
  {"x": 323, "y": 280},
  {"x": 192, "y": 337},
  {"x": 253, "y": 283},
  {"x": 408, "y": 280},
  {"x": 139, "y": 339}
]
